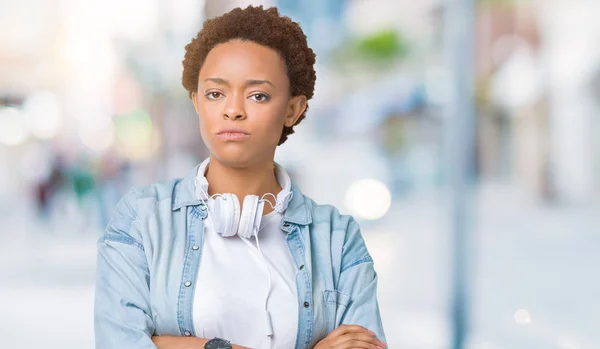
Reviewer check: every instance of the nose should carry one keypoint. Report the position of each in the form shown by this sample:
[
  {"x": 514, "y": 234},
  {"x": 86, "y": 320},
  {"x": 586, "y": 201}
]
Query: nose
[{"x": 234, "y": 108}]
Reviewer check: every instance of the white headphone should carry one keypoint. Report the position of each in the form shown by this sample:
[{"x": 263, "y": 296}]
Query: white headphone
[{"x": 228, "y": 220}]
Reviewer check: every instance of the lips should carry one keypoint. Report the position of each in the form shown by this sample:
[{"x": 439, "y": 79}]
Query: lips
[
  {"x": 233, "y": 130},
  {"x": 233, "y": 135}
]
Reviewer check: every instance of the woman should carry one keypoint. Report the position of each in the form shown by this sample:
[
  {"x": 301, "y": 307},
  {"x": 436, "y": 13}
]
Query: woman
[{"x": 234, "y": 255}]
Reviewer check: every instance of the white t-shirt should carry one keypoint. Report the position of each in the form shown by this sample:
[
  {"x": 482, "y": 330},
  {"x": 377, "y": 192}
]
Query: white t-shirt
[{"x": 233, "y": 282}]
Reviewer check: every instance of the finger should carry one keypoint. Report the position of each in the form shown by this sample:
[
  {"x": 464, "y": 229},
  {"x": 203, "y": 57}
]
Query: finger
[
  {"x": 343, "y": 329},
  {"x": 368, "y": 338},
  {"x": 355, "y": 344},
  {"x": 360, "y": 340}
]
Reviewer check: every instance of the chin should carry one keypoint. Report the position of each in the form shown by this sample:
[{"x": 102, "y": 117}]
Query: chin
[
  {"x": 233, "y": 156},
  {"x": 238, "y": 157}
]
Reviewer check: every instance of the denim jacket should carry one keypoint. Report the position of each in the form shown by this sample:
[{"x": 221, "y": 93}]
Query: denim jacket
[{"x": 148, "y": 261}]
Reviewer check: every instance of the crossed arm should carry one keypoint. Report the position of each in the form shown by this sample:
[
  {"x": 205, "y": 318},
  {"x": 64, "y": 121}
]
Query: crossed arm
[{"x": 344, "y": 337}]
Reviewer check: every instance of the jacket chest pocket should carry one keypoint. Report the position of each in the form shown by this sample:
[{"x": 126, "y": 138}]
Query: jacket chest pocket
[{"x": 336, "y": 303}]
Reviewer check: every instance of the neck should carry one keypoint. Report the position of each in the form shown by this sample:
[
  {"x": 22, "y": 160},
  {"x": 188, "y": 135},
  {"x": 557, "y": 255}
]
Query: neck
[{"x": 256, "y": 179}]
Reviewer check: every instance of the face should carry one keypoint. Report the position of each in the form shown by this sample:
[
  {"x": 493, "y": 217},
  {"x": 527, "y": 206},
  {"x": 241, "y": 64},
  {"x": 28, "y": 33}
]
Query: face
[{"x": 243, "y": 102}]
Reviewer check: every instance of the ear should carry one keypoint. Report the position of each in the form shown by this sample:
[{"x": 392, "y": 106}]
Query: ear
[
  {"x": 195, "y": 101},
  {"x": 296, "y": 106}
]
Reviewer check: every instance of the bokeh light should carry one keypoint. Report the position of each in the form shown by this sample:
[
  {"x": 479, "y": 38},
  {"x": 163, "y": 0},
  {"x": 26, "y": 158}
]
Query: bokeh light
[
  {"x": 13, "y": 129},
  {"x": 98, "y": 134},
  {"x": 136, "y": 137},
  {"x": 43, "y": 115},
  {"x": 368, "y": 198},
  {"x": 522, "y": 317}
]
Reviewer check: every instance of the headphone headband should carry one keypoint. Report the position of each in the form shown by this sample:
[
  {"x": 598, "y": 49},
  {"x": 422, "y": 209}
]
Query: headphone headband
[{"x": 283, "y": 197}]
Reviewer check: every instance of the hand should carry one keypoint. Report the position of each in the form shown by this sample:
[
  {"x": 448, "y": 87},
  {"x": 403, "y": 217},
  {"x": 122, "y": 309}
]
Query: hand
[{"x": 350, "y": 337}]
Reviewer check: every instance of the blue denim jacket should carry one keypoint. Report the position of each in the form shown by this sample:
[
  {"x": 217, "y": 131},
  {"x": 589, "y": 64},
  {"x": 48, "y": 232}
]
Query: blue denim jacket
[{"x": 148, "y": 261}]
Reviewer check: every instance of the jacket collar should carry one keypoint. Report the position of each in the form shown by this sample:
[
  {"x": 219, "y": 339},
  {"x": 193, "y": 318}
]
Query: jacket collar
[{"x": 184, "y": 194}]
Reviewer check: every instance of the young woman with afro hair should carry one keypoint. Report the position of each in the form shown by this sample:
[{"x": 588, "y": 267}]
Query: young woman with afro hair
[{"x": 233, "y": 255}]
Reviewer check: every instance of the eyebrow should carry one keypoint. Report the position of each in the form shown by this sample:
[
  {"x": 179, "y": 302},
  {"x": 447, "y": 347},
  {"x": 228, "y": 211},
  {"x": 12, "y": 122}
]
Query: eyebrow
[{"x": 251, "y": 82}]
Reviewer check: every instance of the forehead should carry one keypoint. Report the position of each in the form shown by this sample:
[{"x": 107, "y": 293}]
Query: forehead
[{"x": 244, "y": 60}]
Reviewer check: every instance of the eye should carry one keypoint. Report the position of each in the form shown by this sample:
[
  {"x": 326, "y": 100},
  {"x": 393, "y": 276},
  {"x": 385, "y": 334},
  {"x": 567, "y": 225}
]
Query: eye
[
  {"x": 213, "y": 95},
  {"x": 260, "y": 97}
]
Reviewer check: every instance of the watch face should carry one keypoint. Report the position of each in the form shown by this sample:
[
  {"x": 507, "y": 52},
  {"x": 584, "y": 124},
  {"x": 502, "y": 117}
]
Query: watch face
[{"x": 217, "y": 343}]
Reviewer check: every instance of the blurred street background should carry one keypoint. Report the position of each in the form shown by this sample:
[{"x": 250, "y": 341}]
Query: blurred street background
[{"x": 91, "y": 103}]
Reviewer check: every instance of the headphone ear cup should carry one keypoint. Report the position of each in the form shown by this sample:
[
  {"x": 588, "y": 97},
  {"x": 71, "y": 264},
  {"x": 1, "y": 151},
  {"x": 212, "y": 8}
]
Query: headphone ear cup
[
  {"x": 217, "y": 215},
  {"x": 258, "y": 216},
  {"x": 229, "y": 217},
  {"x": 236, "y": 215},
  {"x": 248, "y": 216}
]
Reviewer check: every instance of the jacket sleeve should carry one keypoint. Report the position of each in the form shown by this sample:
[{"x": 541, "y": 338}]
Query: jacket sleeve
[
  {"x": 358, "y": 280},
  {"x": 122, "y": 315}
]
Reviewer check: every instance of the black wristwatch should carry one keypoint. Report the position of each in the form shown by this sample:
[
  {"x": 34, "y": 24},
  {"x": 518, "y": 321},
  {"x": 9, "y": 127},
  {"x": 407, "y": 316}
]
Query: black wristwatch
[{"x": 217, "y": 343}]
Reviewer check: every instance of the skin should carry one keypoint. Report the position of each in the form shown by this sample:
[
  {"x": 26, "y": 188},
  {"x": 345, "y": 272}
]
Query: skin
[
  {"x": 245, "y": 85},
  {"x": 350, "y": 337}
]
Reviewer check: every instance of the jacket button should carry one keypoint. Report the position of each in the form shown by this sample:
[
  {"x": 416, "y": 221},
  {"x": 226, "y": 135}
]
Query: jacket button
[
  {"x": 195, "y": 247},
  {"x": 306, "y": 304},
  {"x": 302, "y": 267},
  {"x": 286, "y": 225},
  {"x": 203, "y": 208},
  {"x": 188, "y": 283},
  {"x": 187, "y": 333}
]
